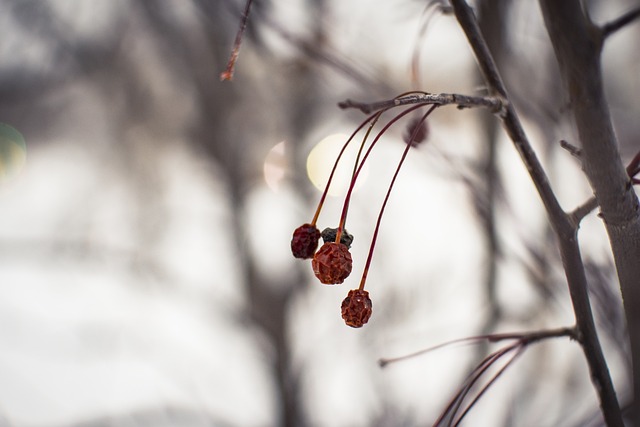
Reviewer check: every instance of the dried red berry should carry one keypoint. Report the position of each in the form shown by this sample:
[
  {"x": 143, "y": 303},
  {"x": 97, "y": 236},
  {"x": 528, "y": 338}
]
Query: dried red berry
[
  {"x": 305, "y": 241},
  {"x": 356, "y": 308},
  {"x": 332, "y": 263}
]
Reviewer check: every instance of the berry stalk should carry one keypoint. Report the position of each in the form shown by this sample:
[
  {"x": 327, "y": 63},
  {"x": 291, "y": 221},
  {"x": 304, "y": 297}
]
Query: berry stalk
[
  {"x": 373, "y": 117},
  {"x": 345, "y": 207},
  {"x": 415, "y": 132}
]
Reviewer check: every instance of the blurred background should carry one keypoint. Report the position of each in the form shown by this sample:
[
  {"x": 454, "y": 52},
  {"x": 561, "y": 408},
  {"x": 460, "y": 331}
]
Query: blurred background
[{"x": 146, "y": 277}]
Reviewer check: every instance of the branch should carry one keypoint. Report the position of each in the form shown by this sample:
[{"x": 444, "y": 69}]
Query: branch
[
  {"x": 572, "y": 149},
  {"x": 495, "y": 104},
  {"x": 577, "y": 49},
  {"x": 565, "y": 229},
  {"x": 523, "y": 338},
  {"x": 227, "y": 74},
  {"x": 511, "y": 121},
  {"x": 583, "y": 210},
  {"x": 617, "y": 24}
]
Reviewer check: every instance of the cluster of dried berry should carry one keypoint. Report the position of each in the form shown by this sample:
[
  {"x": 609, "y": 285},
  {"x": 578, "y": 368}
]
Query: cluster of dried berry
[{"x": 332, "y": 263}]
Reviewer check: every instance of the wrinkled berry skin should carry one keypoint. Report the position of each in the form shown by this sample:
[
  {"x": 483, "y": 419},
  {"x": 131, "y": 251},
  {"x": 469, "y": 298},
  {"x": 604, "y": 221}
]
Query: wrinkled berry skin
[
  {"x": 305, "y": 241},
  {"x": 332, "y": 263},
  {"x": 329, "y": 235},
  {"x": 356, "y": 308}
]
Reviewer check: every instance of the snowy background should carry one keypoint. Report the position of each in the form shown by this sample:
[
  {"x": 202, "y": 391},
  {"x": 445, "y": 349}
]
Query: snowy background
[{"x": 145, "y": 271}]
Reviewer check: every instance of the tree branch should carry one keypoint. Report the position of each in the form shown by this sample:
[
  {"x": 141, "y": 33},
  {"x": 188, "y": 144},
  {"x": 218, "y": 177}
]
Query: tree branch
[
  {"x": 583, "y": 210},
  {"x": 494, "y": 104},
  {"x": 617, "y": 24},
  {"x": 577, "y": 45},
  {"x": 561, "y": 223}
]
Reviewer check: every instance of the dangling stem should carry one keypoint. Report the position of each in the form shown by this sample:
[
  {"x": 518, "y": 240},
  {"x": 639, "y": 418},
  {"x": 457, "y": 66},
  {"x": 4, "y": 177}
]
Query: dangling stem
[
  {"x": 345, "y": 207},
  {"x": 373, "y": 117},
  {"x": 227, "y": 74},
  {"x": 357, "y": 162},
  {"x": 386, "y": 198}
]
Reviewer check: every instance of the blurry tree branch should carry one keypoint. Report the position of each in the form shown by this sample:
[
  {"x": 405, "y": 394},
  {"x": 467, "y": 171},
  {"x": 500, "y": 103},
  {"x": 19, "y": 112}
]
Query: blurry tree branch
[
  {"x": 619, "y": 23},
  {"x": 578, "y": 45},
  {"x": 315, "y": 50}
]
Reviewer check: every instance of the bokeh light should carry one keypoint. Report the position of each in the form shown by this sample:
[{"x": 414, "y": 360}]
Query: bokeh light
[
  {"x": 275, "y": 166},
  {"x": 13, "y": 152},
  {"x": 322, "y": 158}
]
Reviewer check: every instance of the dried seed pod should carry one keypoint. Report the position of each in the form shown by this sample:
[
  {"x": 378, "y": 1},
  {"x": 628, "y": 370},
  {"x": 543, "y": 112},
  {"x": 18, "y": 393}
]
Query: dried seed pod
[
  {"x": 329, "y": 235},
  {"x": 332, "y": 263},
  {"x": 356, "y": 308},
  {"x": 305, "y": 241}
]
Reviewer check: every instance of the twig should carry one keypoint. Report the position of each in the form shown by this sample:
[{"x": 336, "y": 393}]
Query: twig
[
  {"x": 494, "y": 104},
  {"x": 227, "y": 74},
  {"x": 518, "y": 352},
  {"x": 523, "y": 340},
  {"x": 583, "y": 210},
  {"x": 475, "y": 375},
  {"x": 523, "y": 337},
  {"x": 617, "y": 24},
  {"x": 572, "y": 149}
]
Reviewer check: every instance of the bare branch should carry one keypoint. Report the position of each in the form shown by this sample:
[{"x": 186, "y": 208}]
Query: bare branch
[
  {"x": 227, "y": 74},
  {"x": 619, "y": 23},
  {"x": 511, "y": 121},
  {"x": 572, "y": 149},
  {"x": 495, "y": 104},
  {"x": 523, "y": 338},
  {"x": 583, "y": 210},
  {"x": 578, "y": 52}
]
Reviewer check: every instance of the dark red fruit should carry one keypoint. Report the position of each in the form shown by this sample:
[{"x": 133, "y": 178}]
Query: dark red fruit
[
  {"x": 332, "y": 263},
  {"x": 356, "y": 308},
  {"x": 305, "y": 241}
]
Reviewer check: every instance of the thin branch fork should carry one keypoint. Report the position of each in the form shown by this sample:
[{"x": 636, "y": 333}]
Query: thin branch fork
[
  {"x": 495, "y": 104},
  {"x": 617, "y": 24}
]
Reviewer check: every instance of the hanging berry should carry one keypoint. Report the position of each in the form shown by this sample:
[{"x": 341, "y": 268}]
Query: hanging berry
[
  {"x": 356, "y": 308},
  {"x": 332, "y": 263},
  {"x": 305, "y": 241}
]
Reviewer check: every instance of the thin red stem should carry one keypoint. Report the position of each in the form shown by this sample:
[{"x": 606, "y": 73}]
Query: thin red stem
[
  {"x": 335, "y": 164},
  {"x": 227, "y": 74},
  {"x": 356, "y": 164},
  {"x": 634, "y": 166},
  {"x": 473, "y": 377},
  {"x": 484, "y": 389},
  {"x": 386, "y": 198},
  {"x": 345, "y": 207}
]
